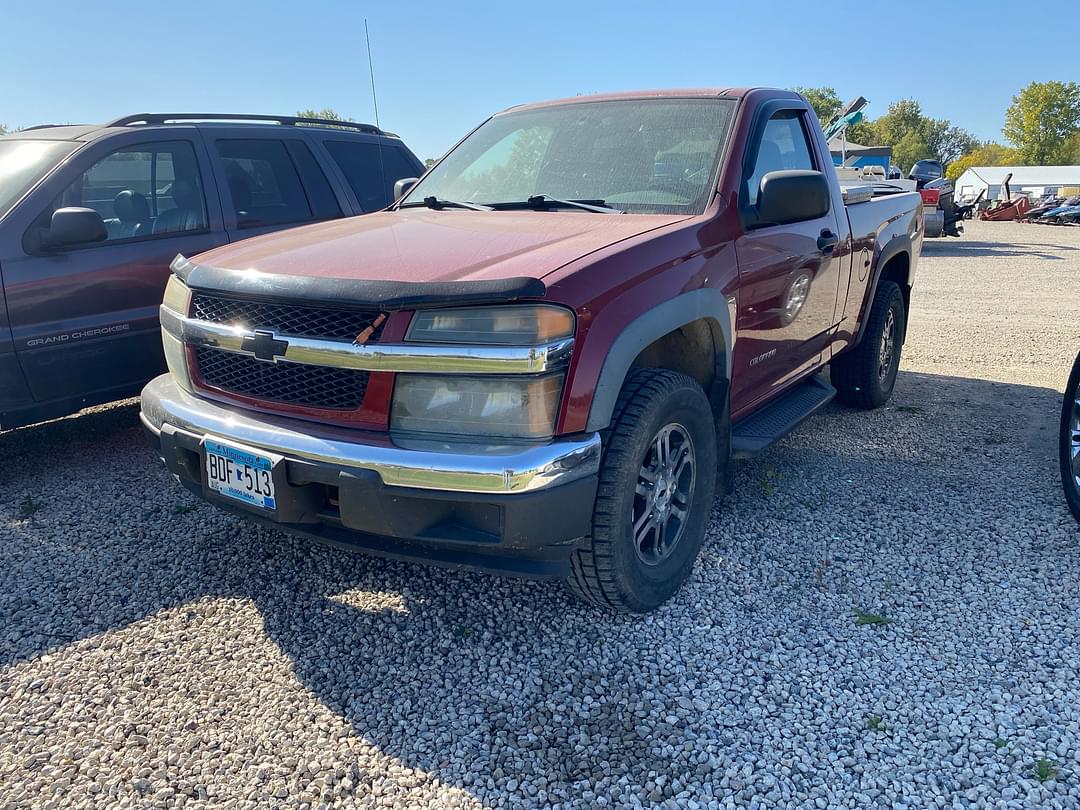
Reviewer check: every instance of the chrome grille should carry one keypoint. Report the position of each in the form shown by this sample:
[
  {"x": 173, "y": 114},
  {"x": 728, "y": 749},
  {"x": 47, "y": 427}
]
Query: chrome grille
[
  {"x": 286, "y": 319},
  {"x": 287, "y": 383}
]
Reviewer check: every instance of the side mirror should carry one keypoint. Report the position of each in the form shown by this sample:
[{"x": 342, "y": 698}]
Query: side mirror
[
  {"x": 75, "y": 226},
  {"x": 792, "y": 196},
  {"x": 403, "y": 186}
]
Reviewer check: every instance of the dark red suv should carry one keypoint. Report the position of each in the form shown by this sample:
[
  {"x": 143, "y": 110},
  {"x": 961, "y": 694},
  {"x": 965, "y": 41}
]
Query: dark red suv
[{"x": 91, "y": 216}]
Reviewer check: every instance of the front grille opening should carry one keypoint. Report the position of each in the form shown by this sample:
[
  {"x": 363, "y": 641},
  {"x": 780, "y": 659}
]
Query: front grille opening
[
  {"x": 286, "y": 319},
  {"x": 286, "y": 383}
]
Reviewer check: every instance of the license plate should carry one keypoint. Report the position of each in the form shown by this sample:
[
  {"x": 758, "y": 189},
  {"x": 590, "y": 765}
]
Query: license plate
[{"x": 240, "y": 473}]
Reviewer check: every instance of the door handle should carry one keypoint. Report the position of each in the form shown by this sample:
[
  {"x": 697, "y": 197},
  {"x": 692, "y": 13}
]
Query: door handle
[{"x": 827, "y": 241}]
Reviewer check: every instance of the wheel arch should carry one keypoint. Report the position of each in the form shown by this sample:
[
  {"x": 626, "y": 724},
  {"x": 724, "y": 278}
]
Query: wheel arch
[
  {"x": 700, "y": 317},
  {"x": 893, "y": 264}
]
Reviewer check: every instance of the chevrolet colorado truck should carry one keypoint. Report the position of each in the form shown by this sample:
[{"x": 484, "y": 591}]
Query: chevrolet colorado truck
[{"x": 543, "y": 357}]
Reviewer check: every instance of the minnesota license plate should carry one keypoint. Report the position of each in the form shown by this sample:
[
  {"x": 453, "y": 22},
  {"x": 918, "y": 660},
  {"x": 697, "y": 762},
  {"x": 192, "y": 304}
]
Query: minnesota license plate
[{"x": 240, "y": 473}]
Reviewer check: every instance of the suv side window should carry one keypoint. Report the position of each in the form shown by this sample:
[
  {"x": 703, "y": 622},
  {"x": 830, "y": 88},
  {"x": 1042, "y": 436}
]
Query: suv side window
[
  {"x": 320, "y": 195},
  {"x": 263, "y": 183},
  {"x": 371, "y": 175},
  {"x": 784, "y": 145},
  {"x": 143, "y": 191}
]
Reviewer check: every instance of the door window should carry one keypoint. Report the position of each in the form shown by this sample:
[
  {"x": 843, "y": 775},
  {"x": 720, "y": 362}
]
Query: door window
[
  {"x": 784, "y": 145},
  {"x": 263, "y": 183},
  {"x": 320, "y": 195},
  {"x": 371, "y": 175},
  {"x": 143, "y": 191}
]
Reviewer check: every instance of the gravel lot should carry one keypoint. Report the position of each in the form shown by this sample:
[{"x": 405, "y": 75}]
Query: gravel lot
[{"x": 154, "y": 652}]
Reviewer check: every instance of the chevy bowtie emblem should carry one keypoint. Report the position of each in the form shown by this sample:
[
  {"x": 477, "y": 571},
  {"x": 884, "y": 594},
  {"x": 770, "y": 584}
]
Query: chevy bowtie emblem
[
  {"x": 265, "y": 346},
  {"x": 366, "y": 334}
]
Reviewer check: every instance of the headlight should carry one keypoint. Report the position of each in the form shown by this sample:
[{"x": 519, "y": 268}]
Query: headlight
[
  {"x": 513, "y": 325},
  {"x": 520, "y": 407},
  {"x": 177, "y": 296}
]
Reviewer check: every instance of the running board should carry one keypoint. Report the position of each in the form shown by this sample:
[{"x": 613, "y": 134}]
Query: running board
[{"x": 771, "y": 423}]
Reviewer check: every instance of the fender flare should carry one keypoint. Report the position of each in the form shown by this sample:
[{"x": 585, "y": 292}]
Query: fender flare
[
  {"x": 893, "y": 248},
  {"x": 706, "y": 303}
]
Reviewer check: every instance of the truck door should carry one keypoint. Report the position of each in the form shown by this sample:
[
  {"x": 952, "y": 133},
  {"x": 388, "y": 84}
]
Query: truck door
[
  {"x": 788, "y": 274},
  {"x": 84, "y": 318}
]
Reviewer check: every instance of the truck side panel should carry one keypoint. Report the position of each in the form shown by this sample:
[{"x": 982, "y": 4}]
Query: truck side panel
[{"x": 883, "y": 229}]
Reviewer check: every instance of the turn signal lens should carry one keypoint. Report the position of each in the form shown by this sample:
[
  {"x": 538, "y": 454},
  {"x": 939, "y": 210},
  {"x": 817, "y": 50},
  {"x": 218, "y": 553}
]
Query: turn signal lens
[
  {"x": 514, "y": 325},
  {"x": 177, "y": 296}
]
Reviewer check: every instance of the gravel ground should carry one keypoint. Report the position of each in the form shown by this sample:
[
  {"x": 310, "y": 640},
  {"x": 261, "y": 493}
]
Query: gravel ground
[{"x": 154, "y": 652}]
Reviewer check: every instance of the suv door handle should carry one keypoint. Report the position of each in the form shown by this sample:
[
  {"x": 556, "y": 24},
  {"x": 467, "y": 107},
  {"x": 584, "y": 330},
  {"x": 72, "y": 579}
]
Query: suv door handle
[{"x": 827, "y": 241}]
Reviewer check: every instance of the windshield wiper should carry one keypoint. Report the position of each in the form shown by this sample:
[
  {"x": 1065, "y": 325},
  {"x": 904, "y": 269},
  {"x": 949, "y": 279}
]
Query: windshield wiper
[
  {"x": 547, "y": 201},
  {"x": 437, "y": 203}
]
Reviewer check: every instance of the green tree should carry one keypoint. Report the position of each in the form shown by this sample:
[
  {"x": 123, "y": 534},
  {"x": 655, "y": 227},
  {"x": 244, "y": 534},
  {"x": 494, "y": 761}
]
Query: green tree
[
  {"x": 429, "y": 162},
  {"x": 3, "y": 130},
  {"x": 903, "y": 118},
  {"x": 1072, "y": 154},
  {"x": 326, "y": 113},
  {"x": 908, "y": 148},
  {"x": 914, "y": 136},
  {"x": 824, "y": 100},
  {"x": 1042, "y": 120},
  {"x": 988, "y": 154},
  {"x": 946, "y": 142}
]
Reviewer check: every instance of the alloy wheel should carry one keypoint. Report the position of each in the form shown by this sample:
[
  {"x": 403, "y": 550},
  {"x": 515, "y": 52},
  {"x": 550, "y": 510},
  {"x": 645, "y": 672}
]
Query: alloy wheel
[
  {"x": 888, "y": 344},
  {"x": 664, "y": 492}
]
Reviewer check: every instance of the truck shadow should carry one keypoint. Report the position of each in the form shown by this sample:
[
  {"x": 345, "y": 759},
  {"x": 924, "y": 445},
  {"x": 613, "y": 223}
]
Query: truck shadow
[
  {"x": 516, "y": 674},
  {"x": 961, "y": 248}
]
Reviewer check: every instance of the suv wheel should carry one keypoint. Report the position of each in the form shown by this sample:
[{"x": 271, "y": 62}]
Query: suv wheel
[
  {"x": 865, "y": 375},
  {"x": 657, "y": 481},
  {"x": 1069, "y": 440}
]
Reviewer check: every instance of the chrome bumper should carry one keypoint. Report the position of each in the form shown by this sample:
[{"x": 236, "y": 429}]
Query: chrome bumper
[{"x": 420, "y": 464}]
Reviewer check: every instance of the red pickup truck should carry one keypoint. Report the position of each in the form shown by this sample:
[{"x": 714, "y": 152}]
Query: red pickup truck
[{"x": 543, "y": 357}]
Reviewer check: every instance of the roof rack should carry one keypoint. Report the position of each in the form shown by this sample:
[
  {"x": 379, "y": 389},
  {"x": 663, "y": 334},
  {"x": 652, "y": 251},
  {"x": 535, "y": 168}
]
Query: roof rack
[{"x": 284, "y": 120}]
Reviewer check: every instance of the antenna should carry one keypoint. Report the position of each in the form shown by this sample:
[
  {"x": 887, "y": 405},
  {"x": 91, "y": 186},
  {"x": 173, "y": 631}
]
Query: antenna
[{"x": 375, "y": 104}]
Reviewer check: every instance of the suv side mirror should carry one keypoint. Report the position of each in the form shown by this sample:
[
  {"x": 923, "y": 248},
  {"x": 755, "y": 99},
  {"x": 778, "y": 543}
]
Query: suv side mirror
[
  {"x": 75, "y": 226},
  {"x": 403, "y": 186},
  {"x": 792, "y": 196}
]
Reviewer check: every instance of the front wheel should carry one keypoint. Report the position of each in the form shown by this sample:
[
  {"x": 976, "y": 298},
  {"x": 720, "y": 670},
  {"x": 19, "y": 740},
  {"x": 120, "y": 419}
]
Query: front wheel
[
  {"x": 1069, "y": 440},
  {"x": 865, "y": 375},
  {"x": 657, "y": 481}
]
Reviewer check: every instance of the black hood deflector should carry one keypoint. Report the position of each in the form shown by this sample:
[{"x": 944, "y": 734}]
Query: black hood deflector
[{"x": 387, "y": 295}]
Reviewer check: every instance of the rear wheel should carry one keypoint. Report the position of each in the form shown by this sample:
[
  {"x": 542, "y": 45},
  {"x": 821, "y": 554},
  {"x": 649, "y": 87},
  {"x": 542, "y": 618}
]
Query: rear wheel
[
  {"x": 657, "y": 481},
  {"x": 1069, "y": 440},
  {"x": 865, "y": 375}
]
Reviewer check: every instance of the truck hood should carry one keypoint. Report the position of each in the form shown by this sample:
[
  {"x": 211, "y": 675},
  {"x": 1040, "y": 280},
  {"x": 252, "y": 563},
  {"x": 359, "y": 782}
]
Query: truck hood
[{"x": 422, "y": 245}]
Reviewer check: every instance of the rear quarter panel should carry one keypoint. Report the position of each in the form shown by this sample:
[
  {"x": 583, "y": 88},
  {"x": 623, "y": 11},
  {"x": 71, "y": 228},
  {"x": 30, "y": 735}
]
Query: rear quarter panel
[{"x": 880, "y": 229}]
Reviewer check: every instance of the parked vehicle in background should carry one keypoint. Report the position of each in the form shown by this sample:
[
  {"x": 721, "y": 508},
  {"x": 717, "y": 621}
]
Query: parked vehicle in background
[
  {"x": 553, "y": 346},
  {"x": 91, "y": 216},
  {"x": 1069, "y": 440},
  {"x": 940, "y": 212}
]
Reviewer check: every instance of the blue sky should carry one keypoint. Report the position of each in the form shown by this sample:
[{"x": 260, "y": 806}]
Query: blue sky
[{"x": 442, "y": 68}]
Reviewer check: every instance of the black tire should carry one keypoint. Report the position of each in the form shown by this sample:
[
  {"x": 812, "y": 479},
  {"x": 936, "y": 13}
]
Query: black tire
[
  {"x": 613, "y": 570},
  {"x": 859, "y": 375},
  {"x": 1070, "y": 434}
]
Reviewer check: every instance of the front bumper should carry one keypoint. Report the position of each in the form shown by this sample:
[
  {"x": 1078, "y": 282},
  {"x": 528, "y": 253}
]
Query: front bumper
[{"x": 511, "y": 508}]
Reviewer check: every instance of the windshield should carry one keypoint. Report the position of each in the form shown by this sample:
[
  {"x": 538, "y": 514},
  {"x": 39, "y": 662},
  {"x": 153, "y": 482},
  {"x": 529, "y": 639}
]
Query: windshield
[
  {"x": 643, "y": 156},
  {"x": 23, "y": 163}
]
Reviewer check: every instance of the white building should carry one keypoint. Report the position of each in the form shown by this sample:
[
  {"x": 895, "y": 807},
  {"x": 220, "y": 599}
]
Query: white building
[{"x": 1034, "y": 180}]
